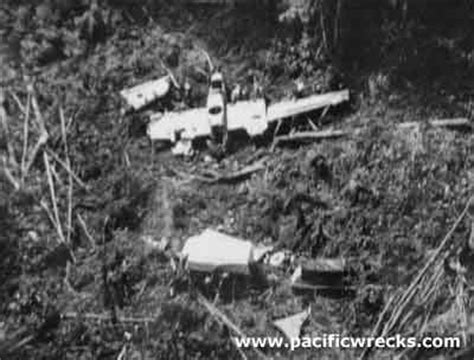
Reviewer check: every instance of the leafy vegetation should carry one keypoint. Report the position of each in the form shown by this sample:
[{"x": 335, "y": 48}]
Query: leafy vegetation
[{"x": 78, "y": 198}]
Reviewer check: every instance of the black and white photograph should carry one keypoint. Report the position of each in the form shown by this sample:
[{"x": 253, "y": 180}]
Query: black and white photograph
[{"x": 236, "y": 179}]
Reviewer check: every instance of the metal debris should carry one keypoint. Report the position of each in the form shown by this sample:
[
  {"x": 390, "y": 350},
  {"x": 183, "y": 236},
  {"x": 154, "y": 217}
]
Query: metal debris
[
  {"x": 144, "y": 94},
  {"x": 291, "y": 326},
  {"x": 213, "y": 250},
  {"x": 321, "y": 274}
]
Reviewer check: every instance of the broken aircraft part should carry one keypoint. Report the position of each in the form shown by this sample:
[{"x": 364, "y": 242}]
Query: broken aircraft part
[
  {"x": 173, "y": 126},
  {"x": 194, "y": 123},
  {"x": 326, "y": 276},
  {"x": 216, "y": 102},
  {"x": 289, "y": 108},
  {"x": 183, "y": 147},
  {"x": 144, "y": 94},
  {"x": 291, "y": 326},
  {"x": 329, "y": 272},
  {"x": 212, "y": 250}
]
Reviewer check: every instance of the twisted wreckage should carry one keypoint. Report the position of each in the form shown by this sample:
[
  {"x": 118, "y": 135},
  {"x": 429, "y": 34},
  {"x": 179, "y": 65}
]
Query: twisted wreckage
[
  {"x": 180, "y": 128},
  {"x": 252, "y": 116}
]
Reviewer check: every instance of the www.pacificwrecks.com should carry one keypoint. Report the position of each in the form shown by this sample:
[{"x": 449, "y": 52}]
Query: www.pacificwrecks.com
[{"x": 344, "y": 342}]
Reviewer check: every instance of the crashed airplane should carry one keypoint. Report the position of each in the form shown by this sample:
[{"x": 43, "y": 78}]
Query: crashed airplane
[
  {"x": 252, "y": 116},
  {"x": 180, "y": 128}
]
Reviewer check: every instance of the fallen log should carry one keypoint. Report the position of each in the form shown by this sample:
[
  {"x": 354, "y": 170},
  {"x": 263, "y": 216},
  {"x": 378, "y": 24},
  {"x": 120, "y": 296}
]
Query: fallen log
[
  {"x": 335, "y": 134},
  {"x": 238, "y": 175},
  {"x": 312, "y": 135},
  {"x": 455, "y": 123},
  {"x": 107, "y": 317},
  {"x": 216, "y": 178}
]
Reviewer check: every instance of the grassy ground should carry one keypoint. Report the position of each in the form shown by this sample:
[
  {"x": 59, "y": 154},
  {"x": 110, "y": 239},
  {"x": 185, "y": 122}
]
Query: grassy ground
[{"x": 415, "y": 186}]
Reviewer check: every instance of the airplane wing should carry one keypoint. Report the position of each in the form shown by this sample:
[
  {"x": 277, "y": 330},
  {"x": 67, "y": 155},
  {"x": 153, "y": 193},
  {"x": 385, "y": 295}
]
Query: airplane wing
[
  {"x": 188, "y": 124},
  {"x": 288, "y": 108},
  {"x": 250, "y": 116}
]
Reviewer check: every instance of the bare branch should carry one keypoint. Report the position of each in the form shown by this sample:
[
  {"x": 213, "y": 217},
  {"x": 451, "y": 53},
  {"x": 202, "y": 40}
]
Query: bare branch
[
  {"x": 56, "y": 176},
  {"x": 48, "y": 212},
  {"x": 17, "y": 101},
  {"x": 25, "y": 137},
  {"x": 83, "y": 225},
  {"x": 209, "y": 61},
  {"x": 408, "y": 295},
  {"x": 68, "y": 163},
  {"x": 323, "y": 26},
  {"x": 104, "y": 317},
  {"x": 67, "y": 169},
  {"x": 38, "y": 116},
  {"x": 53, "y": 198},
  {"x": 9, "y": 176},
  {"x": 389, "y": 322},
  {"x": 170, "y": 74},
  {"x": 5, "y": 132},
  {"x": 43, "y": 138}
]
